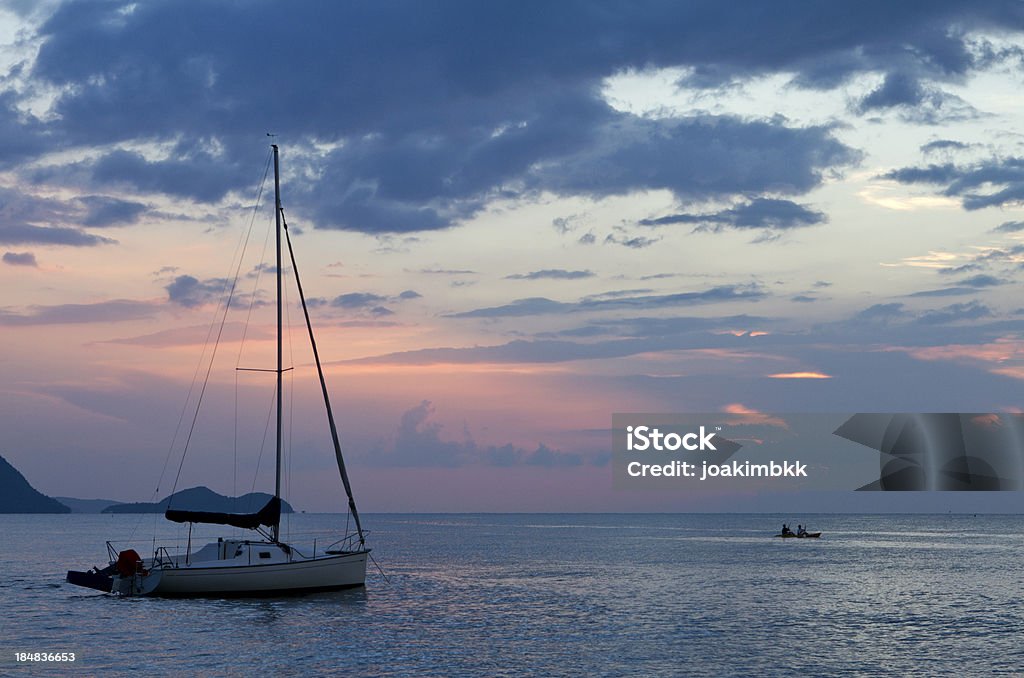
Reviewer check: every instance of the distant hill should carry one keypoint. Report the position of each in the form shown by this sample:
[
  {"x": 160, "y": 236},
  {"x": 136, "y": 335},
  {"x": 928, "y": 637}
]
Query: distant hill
[
  {"x": 201, "y": 499},
  {"x": 86, "y": 505},
  {"x": 17, "y": 496}
]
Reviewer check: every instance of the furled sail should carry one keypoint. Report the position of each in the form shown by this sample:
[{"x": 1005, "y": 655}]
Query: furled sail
[{"x": 269, "y": 515}]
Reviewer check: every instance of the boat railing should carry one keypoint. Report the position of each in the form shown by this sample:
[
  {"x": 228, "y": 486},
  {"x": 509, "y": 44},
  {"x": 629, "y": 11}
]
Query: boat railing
[
  {"x": 350, "y": 542},
  {"x": 162, "y": 558},
  {"x": 171, "y": 550}
]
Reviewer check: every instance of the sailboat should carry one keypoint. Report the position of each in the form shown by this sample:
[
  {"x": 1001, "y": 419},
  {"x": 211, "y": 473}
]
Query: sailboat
[{"x": 263, "y": 564}]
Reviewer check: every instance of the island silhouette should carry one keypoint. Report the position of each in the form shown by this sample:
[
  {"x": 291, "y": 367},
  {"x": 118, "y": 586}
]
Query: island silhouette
[{"x": 18, "y": 496}]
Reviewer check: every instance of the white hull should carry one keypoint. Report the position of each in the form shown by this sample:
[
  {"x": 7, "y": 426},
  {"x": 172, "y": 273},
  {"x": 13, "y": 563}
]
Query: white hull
[{"x": 225, "y": 577}]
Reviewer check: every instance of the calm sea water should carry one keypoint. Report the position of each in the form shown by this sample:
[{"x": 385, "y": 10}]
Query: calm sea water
[{"x": 552, "y": 595}]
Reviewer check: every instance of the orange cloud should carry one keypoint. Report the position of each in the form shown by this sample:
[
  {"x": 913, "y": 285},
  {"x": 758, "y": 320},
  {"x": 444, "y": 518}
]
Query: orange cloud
[
  {"x": 799, "y": 375},
  {"x": 1003, "y": 356},
  {"x": 998, "y": 351},
  {"x": 749, "y": 415}
]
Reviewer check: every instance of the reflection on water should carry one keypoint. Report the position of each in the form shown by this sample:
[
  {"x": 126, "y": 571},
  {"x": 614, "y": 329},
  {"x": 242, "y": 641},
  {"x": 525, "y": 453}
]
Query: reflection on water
[{"x": 560, "y": 595}]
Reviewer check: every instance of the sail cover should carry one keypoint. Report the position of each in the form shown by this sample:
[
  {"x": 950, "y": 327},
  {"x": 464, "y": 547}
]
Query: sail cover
[{"x": 269, "y": 515}]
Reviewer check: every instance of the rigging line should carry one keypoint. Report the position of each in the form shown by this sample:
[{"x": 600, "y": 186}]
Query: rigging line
[
  {"x": 245, "y": 328},
  {"x": 263, "y": 443},
  {"x": 213, "y": 353},
  {"x": 291, "y": 402},
  {"x": 252, "y": 299},
  {"x": 388, "y": 580},
  {"x": 234, "y": 455},
  {"x": 209, "y": 333},
  {"x": 206, "y": 343},
  {"x": 323, "y": 387},
  {"x": 188, "y": 399}
]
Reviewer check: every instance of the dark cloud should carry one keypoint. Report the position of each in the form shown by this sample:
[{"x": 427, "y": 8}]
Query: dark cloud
[
  {"x": 106, "y": 211},
  {"x": 956, "y": 270},
  {"x": 542, "y": 305},
  {"x": 518, "y": 308},
  {"x": 898, "y": 89},
  {"x": 944, "y": 145},
  {"x": 368, "y": 323},
  {"x": 446, "y": 271},
  {"x": 654, "y": 327},
  {"x": 419, "y": 442},
  {"x": 370, "y": 302},
  {"x": 879, "y": 327},
  {"x": 24, "y": 135},
  {"x": 803, "y": 299},
  {"x": 432, "y": 111},
  {"x": 506, "y": 104},
  {"x": 193, "y": 174},
  {"x": 535, "y": 351},
  {"x": 615, "y": 294},
  {"x": 963, "y": 287},
  {"x": 982, "y": 280},
  {"x": 972, "y": 310},
  {"x": 1009, "y": 227},
  {"x": 945, "y": 292},
  {"x": 725, "y": 156},
  {"x": 1000, "y": 254},
  {"x": 117, "y": 310},
  {"x": 260, "y": 270},
  {"x": 932, "y": 174},
  {"x": 990, "y": 183},
  {"x": 529, "y": 43},
  {"x": 635, "y": 242},
  {"x": 987, "y": 258},
  {"x": 881, "y": 313},
  {"x": 901, "y": 322},
  {"x": 190, "y": 292},
  {"x": 565, "y": 224},
  {"x": 915, "y": 101},
  {"x": 28, "y": 234},
  {"x": 20, "y": 259},
  {"x": 195, "y": 335},
  {"x": 31, "y": 219},
  {"x": 357, "y": 300},
  {"x": 763, "y": 213},
  {"x": 23, "y": 216},
  {"x": 551, "y": 274}
]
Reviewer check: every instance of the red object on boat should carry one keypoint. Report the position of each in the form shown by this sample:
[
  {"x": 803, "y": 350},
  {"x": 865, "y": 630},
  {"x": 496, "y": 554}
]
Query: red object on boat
[{"x": 128, "y": 562}]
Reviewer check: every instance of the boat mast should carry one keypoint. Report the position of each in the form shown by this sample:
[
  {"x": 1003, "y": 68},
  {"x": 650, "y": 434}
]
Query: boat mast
[{"x": 280, "y": 364}]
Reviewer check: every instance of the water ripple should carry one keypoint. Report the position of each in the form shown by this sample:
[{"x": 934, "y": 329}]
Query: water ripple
[{"x": 602, "y": 595}]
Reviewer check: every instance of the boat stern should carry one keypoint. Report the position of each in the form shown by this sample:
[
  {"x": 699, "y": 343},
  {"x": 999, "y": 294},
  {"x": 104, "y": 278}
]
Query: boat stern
[
  {"x": 93, "y": 579},
  {"x": 139, "y": 584}
]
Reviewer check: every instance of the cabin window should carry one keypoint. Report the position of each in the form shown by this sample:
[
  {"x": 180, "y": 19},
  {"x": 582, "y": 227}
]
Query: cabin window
[{"x": 264, "y": 554}]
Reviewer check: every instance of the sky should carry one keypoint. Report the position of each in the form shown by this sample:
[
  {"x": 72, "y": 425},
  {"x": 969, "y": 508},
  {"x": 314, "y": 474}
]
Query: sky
[{"x": 512, "y": 220}]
